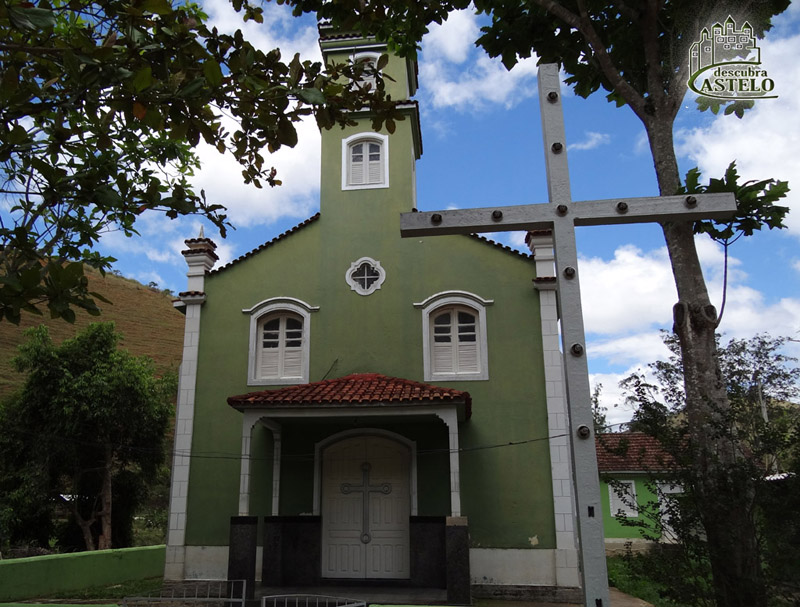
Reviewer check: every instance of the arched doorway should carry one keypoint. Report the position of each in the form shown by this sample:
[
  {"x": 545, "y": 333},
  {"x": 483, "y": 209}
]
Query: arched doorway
[{"x": 365, "y": 508}]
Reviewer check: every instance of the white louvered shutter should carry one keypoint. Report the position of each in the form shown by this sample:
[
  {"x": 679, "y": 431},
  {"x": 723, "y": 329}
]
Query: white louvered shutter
[
  {"x": 375, "y": 163},
  {"x": 281, "y": 348},
  {"x": 269, "y": 350},
  {"x": 467, "y": 348},
  {"x": 293, "y": 347},
  {"x": 357, "y": 164},
  {"x": 443, "y": 359}
]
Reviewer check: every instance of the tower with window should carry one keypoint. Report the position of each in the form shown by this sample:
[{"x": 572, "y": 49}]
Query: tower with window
[{"x": 365, "y": 173}]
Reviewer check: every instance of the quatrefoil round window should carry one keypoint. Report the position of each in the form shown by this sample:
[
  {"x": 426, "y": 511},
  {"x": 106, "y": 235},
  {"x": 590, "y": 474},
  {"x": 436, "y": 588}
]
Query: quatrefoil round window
[{"x": 365, "y": 276}]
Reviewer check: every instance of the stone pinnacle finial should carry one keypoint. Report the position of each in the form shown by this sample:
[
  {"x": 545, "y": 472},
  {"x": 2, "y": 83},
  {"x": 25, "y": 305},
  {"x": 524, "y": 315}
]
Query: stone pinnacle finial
[{"x": 202, "y": 234}]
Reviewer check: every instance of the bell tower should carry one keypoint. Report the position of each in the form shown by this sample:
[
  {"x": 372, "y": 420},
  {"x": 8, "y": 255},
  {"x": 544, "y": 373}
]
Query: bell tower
[{"x": 366, "y": 173}]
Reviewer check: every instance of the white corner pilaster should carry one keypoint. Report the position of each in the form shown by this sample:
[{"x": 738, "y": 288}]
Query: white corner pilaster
[
  {"x": 275, "y": 427},
  {"x": 450, "y": 417},
  {"x": 199, "y": 254},
  {"x": 567, "y": 573},
  {"x": 249, "y": 421}
]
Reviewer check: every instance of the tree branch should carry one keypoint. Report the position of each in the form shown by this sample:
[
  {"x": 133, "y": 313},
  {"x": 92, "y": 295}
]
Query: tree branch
[{"x": 584, "y": 25}]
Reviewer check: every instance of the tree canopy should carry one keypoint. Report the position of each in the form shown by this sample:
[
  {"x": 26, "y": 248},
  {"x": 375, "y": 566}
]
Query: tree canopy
[
  {"x": 762, "y": 424},
  {"x": 102, "y": 103},
  {"x": 89, "y": 415}
]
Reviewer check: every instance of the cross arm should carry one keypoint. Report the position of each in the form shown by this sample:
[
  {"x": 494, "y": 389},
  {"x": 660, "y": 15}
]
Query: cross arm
[{"x": 584, "y": 213}]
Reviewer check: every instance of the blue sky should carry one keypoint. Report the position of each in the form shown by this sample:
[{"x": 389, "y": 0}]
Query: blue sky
[{"x": 482, "y": 146}]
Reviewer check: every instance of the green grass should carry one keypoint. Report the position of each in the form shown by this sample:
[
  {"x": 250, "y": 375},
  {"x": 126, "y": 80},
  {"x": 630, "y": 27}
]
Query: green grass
[
  {"x": 112, "y": 592},
  {"x": 623, "y": 578}
]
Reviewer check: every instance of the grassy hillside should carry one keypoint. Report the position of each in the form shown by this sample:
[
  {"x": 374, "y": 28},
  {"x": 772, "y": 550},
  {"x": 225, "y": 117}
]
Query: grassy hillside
[{"x": 145, "y": 317}]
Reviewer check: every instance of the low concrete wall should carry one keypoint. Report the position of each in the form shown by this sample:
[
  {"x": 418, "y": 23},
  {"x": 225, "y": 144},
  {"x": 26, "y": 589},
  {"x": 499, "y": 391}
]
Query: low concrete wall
[{"x": 40, "y": 576}]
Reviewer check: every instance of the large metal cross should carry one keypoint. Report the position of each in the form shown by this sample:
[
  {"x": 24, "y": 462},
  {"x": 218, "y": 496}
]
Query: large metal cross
[{"x": 561, "y": 216}]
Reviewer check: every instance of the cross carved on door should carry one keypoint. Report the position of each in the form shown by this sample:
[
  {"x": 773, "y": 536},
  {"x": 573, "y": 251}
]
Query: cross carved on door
[
  {"x": 561, "y": 216},
  {"x": 365, "y": 489}
]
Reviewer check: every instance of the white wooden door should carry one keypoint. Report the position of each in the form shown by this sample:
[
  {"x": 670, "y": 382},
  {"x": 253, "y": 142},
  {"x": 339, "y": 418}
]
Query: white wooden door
[{"x": 365, "y": 509}]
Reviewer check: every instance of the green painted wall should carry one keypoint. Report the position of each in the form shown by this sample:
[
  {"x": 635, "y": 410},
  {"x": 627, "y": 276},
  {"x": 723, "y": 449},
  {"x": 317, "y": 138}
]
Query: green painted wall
[
  {"x": 506, "y": 491},
  {"x": 41, "y": 576},
  {"x": 644, "y": 494}
]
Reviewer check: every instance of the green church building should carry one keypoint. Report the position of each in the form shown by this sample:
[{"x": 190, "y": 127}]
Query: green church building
[{"x": 375, "y": 402}]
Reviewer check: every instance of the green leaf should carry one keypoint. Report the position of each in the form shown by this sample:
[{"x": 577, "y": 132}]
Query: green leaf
[
  {"x": 159, "y": 7},
  {"x": 31, "y": 18},
  {"x": 287, "y": 134},
  {"x": 212, "y": 72},
  {"x": 312, "y": 96},
  {"x": 143, "y": 79}
]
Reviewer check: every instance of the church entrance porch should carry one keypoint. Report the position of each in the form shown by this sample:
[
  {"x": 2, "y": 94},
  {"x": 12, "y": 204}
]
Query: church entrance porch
[{"x": 340, "y": 459}]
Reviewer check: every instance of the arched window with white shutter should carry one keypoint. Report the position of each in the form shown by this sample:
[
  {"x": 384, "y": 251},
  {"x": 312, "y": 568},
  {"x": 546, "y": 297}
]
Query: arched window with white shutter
[
  {"x": 454, "y": 336},
  {"x": 280, "y": 332},
  {"x": 365, "y": 161},
  {"x": 370, "y": 61},
  {"x": 279, "y": 351}
]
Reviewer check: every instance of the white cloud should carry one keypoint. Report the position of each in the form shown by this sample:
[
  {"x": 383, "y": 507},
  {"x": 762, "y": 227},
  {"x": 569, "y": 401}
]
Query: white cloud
[
  {"x": 147, "y": 277},
  {"x": 629, "y": 298},
  {"x": 591, "y": 141},
  {"x": 298, "y": 168},
  {"x": 454, "y": 74},
  {"x": 484, "y": 81},
  {"x": 635, "y": 291},
  {"x": 279, "y": 29},
  {"x": 627, "y": 293},
  {"x": 639, "y": 348},
  {"x": 611, "y": 396},
  {"x": 517, "y": 240},
  {"x": 764, "y": 143},
  {"x": 641, "y": 145},
  {"x": 452, "y": 40}
]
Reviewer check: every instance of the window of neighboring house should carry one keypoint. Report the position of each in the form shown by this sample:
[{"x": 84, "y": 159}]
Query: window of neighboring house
[
  {"x": 622, "y": 498},
  {"x": 454, "y": 337},
  {"x": 365, "y": 162},
  {"x": 667, "y": 504},
  {"x": 365, "y": 276},
  {"x": 279, "y": 341}
]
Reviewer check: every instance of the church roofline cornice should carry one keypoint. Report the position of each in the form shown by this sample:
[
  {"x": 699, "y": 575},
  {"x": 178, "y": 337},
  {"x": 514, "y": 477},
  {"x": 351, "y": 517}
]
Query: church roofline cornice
[{"x": 268, "y": 244}]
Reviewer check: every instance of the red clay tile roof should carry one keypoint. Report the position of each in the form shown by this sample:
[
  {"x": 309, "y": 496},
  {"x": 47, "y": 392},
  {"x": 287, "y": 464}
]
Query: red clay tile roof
[
  {"x": 357, "y": 389},
  {"x": 630, "y": 452}
]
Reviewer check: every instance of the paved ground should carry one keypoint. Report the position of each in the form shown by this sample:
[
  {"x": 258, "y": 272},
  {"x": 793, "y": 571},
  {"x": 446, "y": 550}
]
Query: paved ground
[
  {"x": 431, "y": 596},
  {"x": 618, "y": 599}
]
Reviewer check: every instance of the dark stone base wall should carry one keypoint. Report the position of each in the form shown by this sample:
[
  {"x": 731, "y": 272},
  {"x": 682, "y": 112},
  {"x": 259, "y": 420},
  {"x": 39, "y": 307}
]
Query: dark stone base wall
[
  {"x": 543, "y": 594},
  {"x": 293, "y": 553},
  {"x": 457, "y": 559},
  {"x": 242, "y": 553},
  {"x": 428, "y": 552}
]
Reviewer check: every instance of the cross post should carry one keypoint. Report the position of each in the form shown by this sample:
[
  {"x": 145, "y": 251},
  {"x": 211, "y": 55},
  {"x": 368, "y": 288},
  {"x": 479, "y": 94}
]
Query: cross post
[{"x": 561, "y": 217}]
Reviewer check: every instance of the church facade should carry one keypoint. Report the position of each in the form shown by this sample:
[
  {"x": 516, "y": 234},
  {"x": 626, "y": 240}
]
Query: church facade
[{"x": 369, "y": 397}]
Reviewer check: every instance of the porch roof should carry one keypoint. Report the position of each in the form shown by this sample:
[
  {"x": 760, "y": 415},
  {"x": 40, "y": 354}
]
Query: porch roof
[{"x": 359, "y": 390}]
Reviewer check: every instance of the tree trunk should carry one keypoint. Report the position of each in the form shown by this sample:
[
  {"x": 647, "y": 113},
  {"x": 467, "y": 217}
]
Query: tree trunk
[
  {"x": 727, "y": 517},
  {"x": 86, "y": 527},
  {"x": 104, "y": 541}
]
